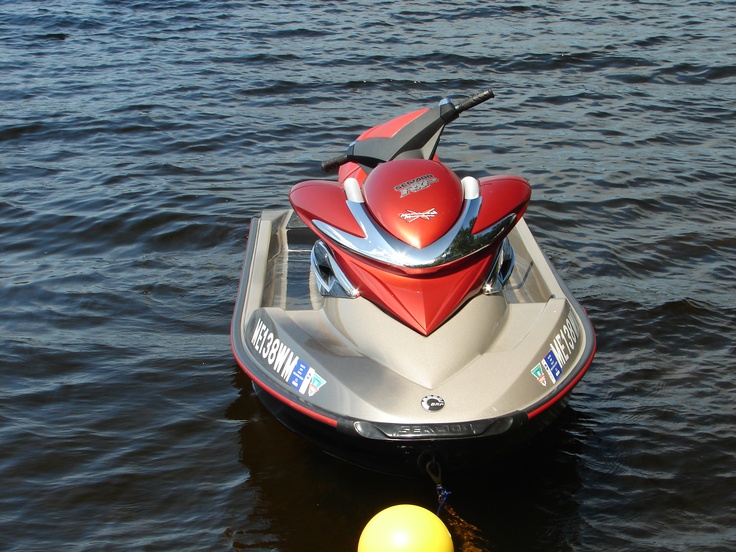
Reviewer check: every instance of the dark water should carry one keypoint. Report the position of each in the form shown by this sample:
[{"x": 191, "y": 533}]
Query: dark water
[{"x": 138, "y": 137}]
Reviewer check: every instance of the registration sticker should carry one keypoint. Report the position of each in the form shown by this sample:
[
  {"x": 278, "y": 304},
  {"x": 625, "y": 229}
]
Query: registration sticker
[
  {"x": 315, "y": 385},
  {"x": 538, "y": 373},
  {"x": 301, "y": 376},
  {"x": 306, "y": 380},
  {"x": 552, "y": 366}
]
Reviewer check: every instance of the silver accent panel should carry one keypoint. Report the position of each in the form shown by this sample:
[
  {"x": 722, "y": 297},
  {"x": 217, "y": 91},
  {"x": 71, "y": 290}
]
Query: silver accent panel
[
  {"x": 502, "y": 269},
  {"x": 381, "y": 246},
  {"x": 331, "y": 280}
]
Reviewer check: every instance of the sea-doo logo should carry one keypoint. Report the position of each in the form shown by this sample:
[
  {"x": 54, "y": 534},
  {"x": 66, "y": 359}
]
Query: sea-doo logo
[
  {"x": 416, "y": 184},
  {"x": 411, "y": 216},
  {"x": 433, "y": 403},
  {"x": 432, "y": 429}
]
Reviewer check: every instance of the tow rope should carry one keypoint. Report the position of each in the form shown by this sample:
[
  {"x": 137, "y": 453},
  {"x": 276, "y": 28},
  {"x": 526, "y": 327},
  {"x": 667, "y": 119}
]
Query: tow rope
[
  {"x": 469, "y": 536},
  {"x": 434, "y": 470}
]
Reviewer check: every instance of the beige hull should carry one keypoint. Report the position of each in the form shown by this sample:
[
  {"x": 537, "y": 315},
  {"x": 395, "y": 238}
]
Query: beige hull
[{"x": 500, "y": 361}]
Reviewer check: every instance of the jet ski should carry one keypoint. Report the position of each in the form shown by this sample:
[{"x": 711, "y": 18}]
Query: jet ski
[{"x": 402, "y": 316}]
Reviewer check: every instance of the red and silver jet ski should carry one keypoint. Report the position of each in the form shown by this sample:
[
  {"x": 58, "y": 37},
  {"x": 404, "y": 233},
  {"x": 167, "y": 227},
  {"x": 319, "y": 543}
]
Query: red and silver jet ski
[{"x": 402, "y": 315}]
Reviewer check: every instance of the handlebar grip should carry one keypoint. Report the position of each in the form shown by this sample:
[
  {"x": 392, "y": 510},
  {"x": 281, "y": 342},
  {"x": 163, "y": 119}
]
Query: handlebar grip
[
  {"x": 474, "y": 100},
  {"x": 334, "y": 163}
]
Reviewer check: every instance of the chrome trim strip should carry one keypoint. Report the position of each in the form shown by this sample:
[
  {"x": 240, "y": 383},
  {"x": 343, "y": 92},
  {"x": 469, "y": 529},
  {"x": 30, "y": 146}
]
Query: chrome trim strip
[
  {"x": 331, "y": 280},
  {"x": 502, "y": 269},
  {"x": 381, "y": 246}
]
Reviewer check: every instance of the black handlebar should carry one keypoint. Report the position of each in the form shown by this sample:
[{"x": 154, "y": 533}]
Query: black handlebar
[
  {"x": 472, "y": 101},
  {"x": 416, "y": 136},
  {"x": 334, "y": 163}
]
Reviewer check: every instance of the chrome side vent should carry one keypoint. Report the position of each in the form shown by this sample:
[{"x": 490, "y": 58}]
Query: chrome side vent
[
  {"x": 331, "y": 280},
  {"x": 502, "y": 269}
]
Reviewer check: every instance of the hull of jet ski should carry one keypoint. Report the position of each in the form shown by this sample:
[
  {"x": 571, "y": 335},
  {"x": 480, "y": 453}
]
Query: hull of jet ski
[{"x": 371, "y": 390}]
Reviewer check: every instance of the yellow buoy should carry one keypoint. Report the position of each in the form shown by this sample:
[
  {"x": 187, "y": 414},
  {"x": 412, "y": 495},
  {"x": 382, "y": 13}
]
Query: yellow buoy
[{"x": 405, "y": 528}]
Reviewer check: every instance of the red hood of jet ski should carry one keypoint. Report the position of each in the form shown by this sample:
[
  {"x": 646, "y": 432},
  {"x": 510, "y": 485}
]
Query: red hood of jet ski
[
  {"x": 423, "y": 298},
  {"x": 415, "y": 200}
]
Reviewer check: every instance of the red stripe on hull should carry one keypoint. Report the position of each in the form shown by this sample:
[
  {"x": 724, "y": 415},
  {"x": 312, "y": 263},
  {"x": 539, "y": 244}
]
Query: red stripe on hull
[{"x": 288, "y": 402}]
